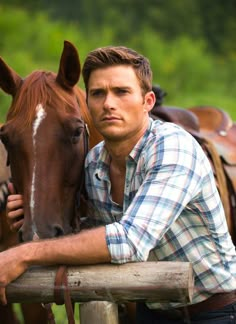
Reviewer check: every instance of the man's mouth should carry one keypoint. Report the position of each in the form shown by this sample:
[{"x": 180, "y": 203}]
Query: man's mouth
[{"x": 110, "y": 118}]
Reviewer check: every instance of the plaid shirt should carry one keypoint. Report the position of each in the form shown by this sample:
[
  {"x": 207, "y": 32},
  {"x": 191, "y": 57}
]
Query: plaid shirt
[{"x": 171, "y": 210}]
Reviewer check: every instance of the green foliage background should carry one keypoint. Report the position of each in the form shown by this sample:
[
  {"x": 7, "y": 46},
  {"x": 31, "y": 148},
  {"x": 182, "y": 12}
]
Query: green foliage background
[
  {"x": 185, "y": 64},
  {"x": 190, "y": 43},
  {"x": 59, "y": 313}
]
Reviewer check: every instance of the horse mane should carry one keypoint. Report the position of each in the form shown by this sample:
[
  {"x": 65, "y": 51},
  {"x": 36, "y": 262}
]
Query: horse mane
[{"x": 40, "y": 87}]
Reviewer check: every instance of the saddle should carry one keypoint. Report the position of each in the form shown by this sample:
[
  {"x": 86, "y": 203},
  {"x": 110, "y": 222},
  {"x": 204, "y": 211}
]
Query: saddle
[
  {"x": 217, "y": 125},
  {"x": 216, "y": 133}
]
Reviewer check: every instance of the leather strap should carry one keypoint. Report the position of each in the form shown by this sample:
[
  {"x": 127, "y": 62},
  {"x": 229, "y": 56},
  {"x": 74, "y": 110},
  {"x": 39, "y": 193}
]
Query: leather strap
[
  {"x": 186, "y": 313},
  {"x": 61, "y": 285},
  {"x": 81, "y": 188},
  {"x": 213, "y": 303},
  {"x": 58, "y": 285}
]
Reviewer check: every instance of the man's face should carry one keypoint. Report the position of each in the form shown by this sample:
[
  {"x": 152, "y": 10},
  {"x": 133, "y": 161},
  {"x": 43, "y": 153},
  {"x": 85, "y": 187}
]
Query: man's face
[{"x": 118, "y": 108}]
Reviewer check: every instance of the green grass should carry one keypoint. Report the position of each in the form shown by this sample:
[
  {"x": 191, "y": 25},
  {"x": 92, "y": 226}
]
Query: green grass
[{"x": 58, "y": 311}]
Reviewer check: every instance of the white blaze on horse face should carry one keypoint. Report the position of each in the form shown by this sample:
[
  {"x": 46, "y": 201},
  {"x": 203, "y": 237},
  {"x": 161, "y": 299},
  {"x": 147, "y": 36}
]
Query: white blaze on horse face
[{"x": 40, "y": 115}]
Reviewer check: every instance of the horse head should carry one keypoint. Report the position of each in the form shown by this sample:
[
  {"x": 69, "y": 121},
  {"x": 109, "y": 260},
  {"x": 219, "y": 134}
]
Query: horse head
[{"x": 46, "y": 141}]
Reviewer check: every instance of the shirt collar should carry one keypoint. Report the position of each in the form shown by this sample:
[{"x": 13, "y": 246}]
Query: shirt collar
[
  {"x": 136, "y": 151},
  {"x": 102, "y": 169}
]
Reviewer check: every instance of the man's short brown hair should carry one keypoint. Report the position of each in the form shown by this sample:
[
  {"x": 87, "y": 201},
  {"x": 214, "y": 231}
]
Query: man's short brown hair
[{"x": 118, "y": 55}]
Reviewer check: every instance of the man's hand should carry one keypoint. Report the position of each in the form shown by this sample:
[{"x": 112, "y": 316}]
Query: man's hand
[
  {"x": 11, "y": 267},
  {"x": 15, "y": 212}
]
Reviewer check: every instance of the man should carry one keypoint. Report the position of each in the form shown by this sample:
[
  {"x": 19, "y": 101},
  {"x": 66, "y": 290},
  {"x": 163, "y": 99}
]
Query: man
[{"x": 151, "y": 196}]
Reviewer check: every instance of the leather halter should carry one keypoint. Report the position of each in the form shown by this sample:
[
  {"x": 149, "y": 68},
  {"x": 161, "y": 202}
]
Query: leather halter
[{"x": 81, "y": 188}]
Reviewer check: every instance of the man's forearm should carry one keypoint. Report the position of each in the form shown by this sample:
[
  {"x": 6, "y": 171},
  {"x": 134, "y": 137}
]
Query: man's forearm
[{"x": 86, "y": 247}]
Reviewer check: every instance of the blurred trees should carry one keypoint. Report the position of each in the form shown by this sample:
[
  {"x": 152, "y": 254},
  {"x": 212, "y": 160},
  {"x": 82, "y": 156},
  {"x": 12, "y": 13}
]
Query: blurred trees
[
  {"x": 213, "y": 21},
  {"x": 190, "y": 43}
]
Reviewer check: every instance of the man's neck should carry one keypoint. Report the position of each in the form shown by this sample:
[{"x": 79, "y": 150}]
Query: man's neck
[{"x": 119, "y": 150}]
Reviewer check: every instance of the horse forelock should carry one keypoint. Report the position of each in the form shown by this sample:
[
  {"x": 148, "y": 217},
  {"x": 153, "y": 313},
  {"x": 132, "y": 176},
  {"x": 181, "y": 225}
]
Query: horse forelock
[{"x": 41, "y": 88}]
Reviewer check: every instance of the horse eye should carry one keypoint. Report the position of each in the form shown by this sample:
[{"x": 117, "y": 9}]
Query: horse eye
[
  {"x": 4, "y": 136},
  {"x": 4, "y": 139},
  {"x": 76, "y": 135}
]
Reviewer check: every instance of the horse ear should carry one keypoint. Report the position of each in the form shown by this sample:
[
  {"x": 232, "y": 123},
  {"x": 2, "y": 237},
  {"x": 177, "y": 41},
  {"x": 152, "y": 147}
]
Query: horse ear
[
  {"x": 69, "y": 69},
  {"x": 9, "y": 79}
]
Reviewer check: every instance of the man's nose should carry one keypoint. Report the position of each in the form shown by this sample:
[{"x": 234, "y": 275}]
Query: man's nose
[{"x": 109, "y": 101}]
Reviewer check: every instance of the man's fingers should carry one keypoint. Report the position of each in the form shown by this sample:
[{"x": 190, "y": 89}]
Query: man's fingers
[
  {"x": 14, "y": 207},
  {"x": 15, "y": 219},
  {"x": 14, "y": 210}
]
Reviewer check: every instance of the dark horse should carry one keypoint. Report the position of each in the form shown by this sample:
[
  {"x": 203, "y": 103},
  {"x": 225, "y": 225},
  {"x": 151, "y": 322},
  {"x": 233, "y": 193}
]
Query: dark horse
[{"x": 46, "y": 139}]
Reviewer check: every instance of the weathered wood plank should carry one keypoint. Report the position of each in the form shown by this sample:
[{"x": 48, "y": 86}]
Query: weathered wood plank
[{"x": 144, "y": 281}]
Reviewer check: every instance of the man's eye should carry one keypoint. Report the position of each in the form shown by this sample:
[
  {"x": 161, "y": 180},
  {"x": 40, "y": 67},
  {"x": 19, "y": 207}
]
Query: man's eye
[
  {"x": 121, "y": 91},
  {"x": 96, "y": 93}
]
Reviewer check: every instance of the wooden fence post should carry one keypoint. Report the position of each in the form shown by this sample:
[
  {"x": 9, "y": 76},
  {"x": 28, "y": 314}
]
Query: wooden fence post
[{"x": 97, "y": 312}]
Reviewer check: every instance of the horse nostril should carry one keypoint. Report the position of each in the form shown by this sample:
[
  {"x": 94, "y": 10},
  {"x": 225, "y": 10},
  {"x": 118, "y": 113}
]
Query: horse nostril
[{"x": 58, "y": 231}]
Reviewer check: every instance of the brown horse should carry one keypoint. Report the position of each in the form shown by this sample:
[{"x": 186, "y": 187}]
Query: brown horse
[{"x": 45, "y": 136}]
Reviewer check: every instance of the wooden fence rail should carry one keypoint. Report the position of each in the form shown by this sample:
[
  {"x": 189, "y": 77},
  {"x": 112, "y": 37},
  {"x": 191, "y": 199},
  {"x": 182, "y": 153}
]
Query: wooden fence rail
[{"x": 144, "y": 281}]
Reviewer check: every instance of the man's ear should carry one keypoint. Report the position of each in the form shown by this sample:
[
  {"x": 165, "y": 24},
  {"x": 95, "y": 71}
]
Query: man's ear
[{"x": 149, "y": 100}]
